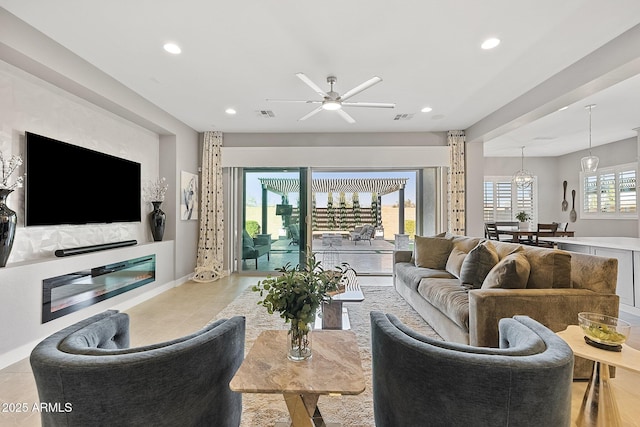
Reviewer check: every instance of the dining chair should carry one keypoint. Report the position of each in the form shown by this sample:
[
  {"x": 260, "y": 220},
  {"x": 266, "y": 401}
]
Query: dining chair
[
  {"x": 491, "y": 231},
  {"x": 545, "y": 230},
  {"x": 562, "y": 226}
]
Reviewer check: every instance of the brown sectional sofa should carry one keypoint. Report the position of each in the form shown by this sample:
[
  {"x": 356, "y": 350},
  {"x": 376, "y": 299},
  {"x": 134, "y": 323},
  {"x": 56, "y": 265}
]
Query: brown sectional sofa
[{"x": 462, "y": 286}]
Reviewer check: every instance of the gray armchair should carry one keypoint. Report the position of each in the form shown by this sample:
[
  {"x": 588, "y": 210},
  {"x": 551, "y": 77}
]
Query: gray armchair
[
  {"x": 99, "y": 381},
  {"x": 254, "y": 248},
  {"x": 421, "y": 381}
]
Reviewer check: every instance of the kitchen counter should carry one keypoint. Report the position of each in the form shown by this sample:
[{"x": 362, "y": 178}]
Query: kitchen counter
[
  {"x": 624, "y": 243},
  {"x": 626, "y": 250}
]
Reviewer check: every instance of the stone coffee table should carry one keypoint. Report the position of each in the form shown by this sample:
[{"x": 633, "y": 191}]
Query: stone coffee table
[{"x": 335, "y": 368}]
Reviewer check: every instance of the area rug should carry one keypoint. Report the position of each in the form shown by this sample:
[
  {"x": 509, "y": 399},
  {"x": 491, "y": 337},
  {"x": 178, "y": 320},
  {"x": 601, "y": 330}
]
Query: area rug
[{"x": 356, "y": 411}]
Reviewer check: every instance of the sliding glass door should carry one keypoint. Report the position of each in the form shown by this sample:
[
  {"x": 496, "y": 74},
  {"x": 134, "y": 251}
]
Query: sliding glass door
[
  {"x": 273, "y": 227},
  {"x": 361, "y": 217}
]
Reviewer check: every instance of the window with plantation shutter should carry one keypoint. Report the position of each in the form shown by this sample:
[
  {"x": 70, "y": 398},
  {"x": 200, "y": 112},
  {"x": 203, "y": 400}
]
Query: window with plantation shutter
[
  {"x": 610, "y": 192},
  {"x": 627, "y": 191},
  {"x": 503, "y": 200}
]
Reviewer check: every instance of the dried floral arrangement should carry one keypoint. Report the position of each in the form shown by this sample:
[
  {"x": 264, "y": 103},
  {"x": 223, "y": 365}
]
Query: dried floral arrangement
[
  {"x": 8, "y": 168},
  {"x": 155, "y": 190}
]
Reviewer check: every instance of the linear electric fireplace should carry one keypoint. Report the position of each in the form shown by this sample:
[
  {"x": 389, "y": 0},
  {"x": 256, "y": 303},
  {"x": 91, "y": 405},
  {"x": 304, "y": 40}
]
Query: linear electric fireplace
[{"x": 65, "y": 294}]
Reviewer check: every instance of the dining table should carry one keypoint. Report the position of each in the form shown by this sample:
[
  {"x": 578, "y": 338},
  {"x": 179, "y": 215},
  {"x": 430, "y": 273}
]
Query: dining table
[{"x": 518, "y": 234}]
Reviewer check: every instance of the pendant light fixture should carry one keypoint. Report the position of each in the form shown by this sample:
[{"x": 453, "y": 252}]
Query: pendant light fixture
[
  {"x": 523, "y": 178},
  {"x": 590, "y": 163}
]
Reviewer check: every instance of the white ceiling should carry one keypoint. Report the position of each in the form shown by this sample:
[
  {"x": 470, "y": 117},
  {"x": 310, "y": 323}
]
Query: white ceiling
[{"x": 240, "y": 53}]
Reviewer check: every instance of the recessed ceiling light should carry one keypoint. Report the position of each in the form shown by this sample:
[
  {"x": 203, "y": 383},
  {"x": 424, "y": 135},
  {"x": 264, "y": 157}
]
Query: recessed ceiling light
[
  {"x": 230, "y": 111},
  {"x": 427, "y": 109},
  {"x": 563, "y": 108},
  {"x": 490, "y": 43},
  {"x": 172, "y": 48}
]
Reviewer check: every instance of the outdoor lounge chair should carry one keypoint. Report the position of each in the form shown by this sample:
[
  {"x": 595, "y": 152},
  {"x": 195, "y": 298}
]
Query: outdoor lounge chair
[
  {"x": 294, "y": 234},
  {"x": 365, "y": 232}
]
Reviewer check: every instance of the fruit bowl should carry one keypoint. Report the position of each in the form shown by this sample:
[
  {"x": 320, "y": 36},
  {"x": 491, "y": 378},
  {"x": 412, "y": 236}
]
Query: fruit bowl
[{"x": 604, "y": 330}]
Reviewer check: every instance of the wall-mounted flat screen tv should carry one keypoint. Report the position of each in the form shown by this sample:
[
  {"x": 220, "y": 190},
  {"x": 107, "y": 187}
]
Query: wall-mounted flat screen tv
[{"x": 68, "y": 184}]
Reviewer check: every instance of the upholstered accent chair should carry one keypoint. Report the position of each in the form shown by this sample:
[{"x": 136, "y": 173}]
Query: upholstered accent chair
[
  {"x": 419, "y": 380},
  {"x": 90, "y": 370},
  {"x": 255, "y": 247}
]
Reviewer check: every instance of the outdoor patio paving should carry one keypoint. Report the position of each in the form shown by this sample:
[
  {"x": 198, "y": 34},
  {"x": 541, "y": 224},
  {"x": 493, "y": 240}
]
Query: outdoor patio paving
[{"x": 365, "y": 258}]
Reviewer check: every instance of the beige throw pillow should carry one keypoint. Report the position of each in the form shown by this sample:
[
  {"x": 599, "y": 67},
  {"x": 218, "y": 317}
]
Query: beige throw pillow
[
  {"x": 455, "y": 260},
  {"x": 477, "y": 264},
  {"x": 512, "y": 272},
  {"x": 432, "y": 252}
]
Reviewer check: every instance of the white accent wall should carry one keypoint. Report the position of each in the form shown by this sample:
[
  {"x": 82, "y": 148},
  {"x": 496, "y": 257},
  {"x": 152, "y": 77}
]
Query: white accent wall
[{"x": 30, "y": 104}]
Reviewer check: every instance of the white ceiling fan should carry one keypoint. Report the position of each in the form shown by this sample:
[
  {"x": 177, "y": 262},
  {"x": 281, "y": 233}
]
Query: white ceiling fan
[{"x": 333, "y": 101}]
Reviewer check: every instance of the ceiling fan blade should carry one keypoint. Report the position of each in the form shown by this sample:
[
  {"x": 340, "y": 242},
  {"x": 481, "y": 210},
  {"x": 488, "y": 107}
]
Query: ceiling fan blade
[
  {"x": 345, "y": 116},
  {"x": 312, "y": 113},
  {"x": 348, "y": 94},
  {"x": 369, "y": 104},
  {"x": 311, "y": 84},
  {"x": 294, "y": 100}
]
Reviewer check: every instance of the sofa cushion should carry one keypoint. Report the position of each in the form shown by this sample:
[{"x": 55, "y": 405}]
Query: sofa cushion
[
  {"x": 247, "y": 241},
  {"x": 432, "y": 252},
  {"x": 455, "y": 260},
  {"x": 464, "y": 243},
  {"x": 477, "y": 264},
  {"x": 550, "y": 268},
  {"x": 448, "y": 296},
  {"x": 444, "y": 235},
  {"x": 411, "y": 275},
  {"x": 512, "y": 272}
]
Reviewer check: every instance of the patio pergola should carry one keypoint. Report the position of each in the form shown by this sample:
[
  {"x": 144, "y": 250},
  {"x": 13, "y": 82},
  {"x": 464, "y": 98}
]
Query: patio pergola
[{"x": 378, "y": 186}]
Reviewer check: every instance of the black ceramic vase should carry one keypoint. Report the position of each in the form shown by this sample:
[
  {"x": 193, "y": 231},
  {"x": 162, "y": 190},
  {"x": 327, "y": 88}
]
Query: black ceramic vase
[
  {"x": 157, "y": 218},
  {"x": 8, "y": 220}
]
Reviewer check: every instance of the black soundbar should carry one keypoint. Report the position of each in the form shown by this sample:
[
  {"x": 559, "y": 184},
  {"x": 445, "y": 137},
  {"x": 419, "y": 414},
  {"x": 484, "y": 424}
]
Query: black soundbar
[{"x": 93, "y": 248}]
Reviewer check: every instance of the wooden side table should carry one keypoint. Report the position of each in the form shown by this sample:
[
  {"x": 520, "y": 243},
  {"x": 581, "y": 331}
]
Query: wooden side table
[
  {"x": 599, "y": 406},
  {"x": 335, "y": 368},
  {"x": 333, "y": 314}
]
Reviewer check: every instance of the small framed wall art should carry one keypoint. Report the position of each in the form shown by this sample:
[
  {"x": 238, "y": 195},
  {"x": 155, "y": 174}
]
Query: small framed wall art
[{"x": 188, "y": 196}]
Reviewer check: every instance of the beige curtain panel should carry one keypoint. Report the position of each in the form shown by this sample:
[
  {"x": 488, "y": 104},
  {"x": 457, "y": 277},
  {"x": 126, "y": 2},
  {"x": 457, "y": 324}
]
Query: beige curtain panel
[
  {"x": 209, "y": 262},
  {"x": 456, "y": 183}
]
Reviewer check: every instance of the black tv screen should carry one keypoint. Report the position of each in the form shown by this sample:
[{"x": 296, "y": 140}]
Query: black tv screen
[{"x": 68, "y": 184}]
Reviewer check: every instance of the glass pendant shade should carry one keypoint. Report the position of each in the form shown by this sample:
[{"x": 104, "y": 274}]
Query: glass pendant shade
[
  {"x": 523, "y": 178},
  {"x": 589, "y": 163}
]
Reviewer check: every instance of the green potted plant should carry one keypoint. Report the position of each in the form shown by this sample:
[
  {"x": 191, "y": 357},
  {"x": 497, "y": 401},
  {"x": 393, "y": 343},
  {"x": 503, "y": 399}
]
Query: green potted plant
[
  {"x": 297, "y": 294},
  {"x": 523, "y": 218}
]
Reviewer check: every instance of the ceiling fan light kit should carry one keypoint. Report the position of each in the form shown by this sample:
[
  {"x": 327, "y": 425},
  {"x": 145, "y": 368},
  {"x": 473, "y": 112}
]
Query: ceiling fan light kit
[
  {"x": 590, "y": 162},
  {"x": 333, "y": 101}
]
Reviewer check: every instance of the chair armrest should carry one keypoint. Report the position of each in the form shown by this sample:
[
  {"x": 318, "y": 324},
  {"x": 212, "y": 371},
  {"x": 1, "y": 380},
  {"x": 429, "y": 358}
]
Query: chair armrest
[
  {"x": 554, "y": 308},
  {"x": 402, "y": 256},
  {"x": 262, "y": 240}
]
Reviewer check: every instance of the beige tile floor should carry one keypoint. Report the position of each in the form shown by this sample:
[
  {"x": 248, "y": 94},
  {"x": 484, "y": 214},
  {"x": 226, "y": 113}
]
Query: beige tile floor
[{"x": 185, "y": 309}]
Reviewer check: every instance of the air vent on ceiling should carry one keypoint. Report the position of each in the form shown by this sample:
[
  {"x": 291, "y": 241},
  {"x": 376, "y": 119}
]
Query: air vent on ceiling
[
  {"x": 403, "y": 117},
  {"x": 267, "y": 114}
]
